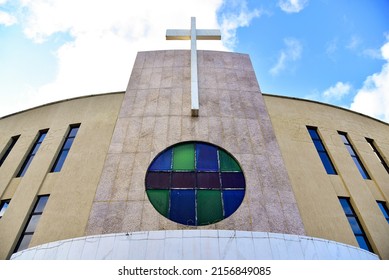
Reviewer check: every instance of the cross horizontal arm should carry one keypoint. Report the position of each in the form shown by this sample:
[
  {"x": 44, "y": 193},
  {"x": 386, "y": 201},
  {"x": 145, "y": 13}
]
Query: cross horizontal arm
[
  {"x": 201, "y": 34},
  {"x": 178, "y": 34}
]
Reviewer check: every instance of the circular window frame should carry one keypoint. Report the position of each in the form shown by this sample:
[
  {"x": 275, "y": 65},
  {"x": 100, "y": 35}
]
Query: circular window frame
[{"x": 184, "y": 185}]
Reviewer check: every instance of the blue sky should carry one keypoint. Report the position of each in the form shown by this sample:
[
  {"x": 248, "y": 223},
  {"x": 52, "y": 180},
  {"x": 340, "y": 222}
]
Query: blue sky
[{"x": 334, "y": 51}]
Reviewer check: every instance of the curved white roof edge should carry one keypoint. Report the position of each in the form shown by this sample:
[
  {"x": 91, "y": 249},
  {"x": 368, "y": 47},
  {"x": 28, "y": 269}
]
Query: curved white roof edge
[{"x": 195, "y": 245}]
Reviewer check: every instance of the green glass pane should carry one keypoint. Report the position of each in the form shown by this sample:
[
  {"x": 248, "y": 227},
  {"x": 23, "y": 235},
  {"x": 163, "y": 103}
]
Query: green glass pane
[
  {"x": 184, "y": 157},
  {"x": 209, "y": 207},
  {"x": 160, "y": 200},
  {"x": 227, "y": 163}
]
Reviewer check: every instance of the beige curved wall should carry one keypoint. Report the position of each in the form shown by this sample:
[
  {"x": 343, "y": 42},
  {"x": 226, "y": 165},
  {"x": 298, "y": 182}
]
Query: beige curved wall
[
  {"x": 72, "y": 189},
  {"x": 317, "y": 192}
]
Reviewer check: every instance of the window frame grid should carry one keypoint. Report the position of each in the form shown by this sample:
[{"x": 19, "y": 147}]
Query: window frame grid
[
  {"x": 8, "y": 148},
  {"x": 57, "y": 165},
  {"x": 331, "y": 170},
  {"x": 354, "y": 156},
  {"x": 354, "y": 215},
  {"x": 377, "y": 153},
  {"x": 31, "y": 154}
]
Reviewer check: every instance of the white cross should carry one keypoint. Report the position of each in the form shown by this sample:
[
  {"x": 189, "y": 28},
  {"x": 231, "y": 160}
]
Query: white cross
[{"x": 193, "y": 34}]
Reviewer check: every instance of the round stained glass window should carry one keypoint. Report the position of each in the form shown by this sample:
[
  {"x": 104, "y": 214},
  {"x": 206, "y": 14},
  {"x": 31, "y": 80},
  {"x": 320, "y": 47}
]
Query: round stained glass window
[{"x": 195, "y": 183}]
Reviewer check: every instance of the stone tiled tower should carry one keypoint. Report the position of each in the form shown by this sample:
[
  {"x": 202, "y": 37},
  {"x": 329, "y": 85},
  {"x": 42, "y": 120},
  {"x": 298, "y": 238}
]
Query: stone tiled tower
[{"x": 156, "y": 114}]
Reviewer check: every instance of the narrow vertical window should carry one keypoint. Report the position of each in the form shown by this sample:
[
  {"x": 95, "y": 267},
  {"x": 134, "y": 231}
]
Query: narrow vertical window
[
  {"x": 377, "y": 153},
  {"x": 329, "y": 167},
  {"x": 3, "y": 206},
  {"x": 32, "y": 223},
  {"x": 32, "y": 153},
  {"x": 356, "y": 227},
  {"x": 354, "y": 155},
  {"x": 10, "y": 145},
  {"x": 384, "y": 209},
  {"x": 65, "y": 148}
]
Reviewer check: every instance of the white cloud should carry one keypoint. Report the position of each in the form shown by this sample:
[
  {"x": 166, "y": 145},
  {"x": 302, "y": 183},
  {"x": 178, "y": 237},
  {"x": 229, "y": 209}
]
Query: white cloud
[
  {"x": 292, "y": 52},
  {"x": 7, "y": 19},
  {"x": 292, "y": 6},
  {"x": 337, "y": 92},
  {"x": 238, "y": 15},
  {"x": 106, "y": 35},
  {"x": 373, "y": 98}
]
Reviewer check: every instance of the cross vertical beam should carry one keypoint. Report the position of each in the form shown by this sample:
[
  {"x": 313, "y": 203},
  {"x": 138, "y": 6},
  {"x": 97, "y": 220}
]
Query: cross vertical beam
[{"x": 193, "y": 34}]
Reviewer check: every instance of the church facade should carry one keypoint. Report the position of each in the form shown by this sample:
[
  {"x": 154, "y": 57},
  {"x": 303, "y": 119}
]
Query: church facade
[{"x": 134, "y": 175}]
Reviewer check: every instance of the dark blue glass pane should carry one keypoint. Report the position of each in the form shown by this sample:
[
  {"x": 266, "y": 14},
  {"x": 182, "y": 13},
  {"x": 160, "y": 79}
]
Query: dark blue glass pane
[
  {"x": 35, "y": 149},
  {"x": 163, "y": 161},
  {"x": 183, "y": 206},
  {"x": 183, "y": 180},
  {"x": 68, "y": 143},
  {"x": 327, "y": 163},
  {"x": 363, "y": 243},
  {"x": 355, "y": 225},
  {"x": 319, "y": 146},
  {"x": 206, "y": 158},
  {"x": 231, "y": 201},
  {"x": 158, "y": 180},
  {"x": 361, "y": 169},
  {"x": 73, "y": 132},
  {"x": 41, "y": 137},
  {"x": 61, "y": 159},
  {"x": 383, "y": 209},
  {"x": 208, "y": 180},
  {"x": 232, "y": 180},
  {"x": 25, "y": 166},
  {"x": 346, "y": 206},
  {"x": 313, "y": 133}
]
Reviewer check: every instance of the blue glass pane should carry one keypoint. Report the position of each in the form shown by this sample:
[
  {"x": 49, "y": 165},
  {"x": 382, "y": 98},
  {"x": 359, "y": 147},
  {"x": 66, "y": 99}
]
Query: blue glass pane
[
  {"x": 163, "y": 161},
  {"x": 350, "y": 150},
  {"x": 383, "y": 209},
  {"x": 327, "y": 163},
  {"x": 231, "y": 201},
  {"x": 319, "y": 146},
  {"x": 183, "y": 206},
  {"x": 346, "y": 206},
  {"x": 68, "y": 143},
  {"x": 73, "y": 132},
  {"x": 360, "y": 168},
  {"x": 3, "y": 208},
  {"x": 41, "y": 137},
  {"x": 363, "y": 243},
  {"x": 313, "y": 133},
  {"x": 25, "y": 167},
  {"x": 344, "y": 138},
  {"x": 355, "y": 225},
  {"x": 206, "y": 158},
  {"x": 61, "y": 159},
  {"x": 35, "y": 149}
]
